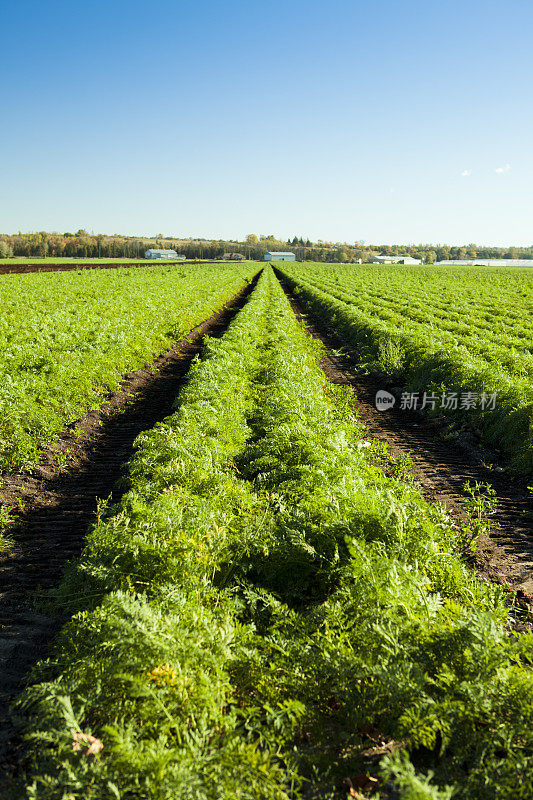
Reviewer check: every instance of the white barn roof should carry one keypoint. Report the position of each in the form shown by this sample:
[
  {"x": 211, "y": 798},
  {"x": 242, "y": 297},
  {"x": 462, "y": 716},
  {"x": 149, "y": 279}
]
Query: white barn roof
[
  {"x": 160, "y": 253},
  {"x": 279, "y": 255}
]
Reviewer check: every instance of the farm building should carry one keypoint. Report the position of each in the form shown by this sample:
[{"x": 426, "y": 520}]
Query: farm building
[
  {"x": 395, "y": 260},
  {"x": 165, "y": 254},
  {"x": 279, "y": 257}
]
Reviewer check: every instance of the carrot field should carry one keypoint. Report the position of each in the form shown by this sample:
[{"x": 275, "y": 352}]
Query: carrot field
[
  {"x": 269, "y": 608},
  {"x": 66, "y": 340},
  {"x": 440, "y": 330}
]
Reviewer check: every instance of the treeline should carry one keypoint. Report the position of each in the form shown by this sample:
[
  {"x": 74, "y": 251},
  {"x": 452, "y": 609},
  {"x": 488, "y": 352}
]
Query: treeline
[
  {"x": 84, "y": 245},
  {"x": 431, "y": 253}
]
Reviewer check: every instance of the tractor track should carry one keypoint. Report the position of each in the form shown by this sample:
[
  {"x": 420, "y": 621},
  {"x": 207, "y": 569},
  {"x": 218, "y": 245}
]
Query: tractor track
[
  {"x": 60, "y": 506},
  {"x": 441, "y": 467}
]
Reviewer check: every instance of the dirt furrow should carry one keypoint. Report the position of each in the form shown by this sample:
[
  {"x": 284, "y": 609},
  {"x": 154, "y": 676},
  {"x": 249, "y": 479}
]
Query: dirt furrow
[
  {"x": 58, "y": 507},
  {"x": 442, "y": 466}
]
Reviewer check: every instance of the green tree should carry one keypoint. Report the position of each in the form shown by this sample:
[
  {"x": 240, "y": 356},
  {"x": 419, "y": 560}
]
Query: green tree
[{"x": 6, "y": 251}]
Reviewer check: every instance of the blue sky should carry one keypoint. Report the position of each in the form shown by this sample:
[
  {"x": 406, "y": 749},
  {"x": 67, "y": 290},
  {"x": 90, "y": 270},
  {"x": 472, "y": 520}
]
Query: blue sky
[{"x": 341, "y": 120}]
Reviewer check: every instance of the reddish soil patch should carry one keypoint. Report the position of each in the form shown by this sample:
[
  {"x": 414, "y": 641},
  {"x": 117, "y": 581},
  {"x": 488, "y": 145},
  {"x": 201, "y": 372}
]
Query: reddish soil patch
[
  {"x": 19, "y": 269},
  {"x": 59, "y": 506}
]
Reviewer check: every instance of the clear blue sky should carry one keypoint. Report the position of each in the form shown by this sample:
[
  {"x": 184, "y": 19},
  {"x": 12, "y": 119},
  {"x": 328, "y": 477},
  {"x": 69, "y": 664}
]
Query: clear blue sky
[{"x": 379, "y": 120}]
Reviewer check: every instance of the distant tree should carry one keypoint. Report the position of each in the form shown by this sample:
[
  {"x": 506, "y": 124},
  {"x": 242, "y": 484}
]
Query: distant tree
[
  {"x": 43, "y": 245},
  {"x": 6, "y": 251},
  {"x": 252, "y": 239}
]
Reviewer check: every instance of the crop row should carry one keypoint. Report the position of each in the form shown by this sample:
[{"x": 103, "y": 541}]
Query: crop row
[
  {"x": 424, "y": 356},
  {"x": 67, "y": 339},
  {"x": 265, "y": 602},
  {"x": 501, "y": 308},
  {"x": 498, "y": 339}
]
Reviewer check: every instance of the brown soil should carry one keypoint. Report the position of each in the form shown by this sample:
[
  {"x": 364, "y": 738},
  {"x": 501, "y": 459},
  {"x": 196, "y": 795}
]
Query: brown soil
[
  {"x": 60, "y": 505},
  {"x": 18, "y": 269},
  {"x": 442, "y": 466}
]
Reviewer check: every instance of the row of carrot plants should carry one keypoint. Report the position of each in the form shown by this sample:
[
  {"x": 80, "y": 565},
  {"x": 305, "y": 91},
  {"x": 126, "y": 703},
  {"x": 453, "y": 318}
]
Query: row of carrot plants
[
  {"x": 463, "y": 301},
  {"x": 423, "y": 331},
  {"x": 66, "y": 339},
  {"x": 264, "y": 603}
]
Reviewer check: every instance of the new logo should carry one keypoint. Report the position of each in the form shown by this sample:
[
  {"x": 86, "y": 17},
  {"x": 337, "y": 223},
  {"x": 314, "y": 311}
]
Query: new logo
[{"x": 384, "y": 400}]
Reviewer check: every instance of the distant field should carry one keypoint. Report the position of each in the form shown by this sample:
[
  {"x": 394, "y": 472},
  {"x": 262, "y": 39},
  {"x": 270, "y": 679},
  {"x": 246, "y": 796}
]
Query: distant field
[
  {"x": 463, "y": 331},
  {"x": 67, "y": 338}
]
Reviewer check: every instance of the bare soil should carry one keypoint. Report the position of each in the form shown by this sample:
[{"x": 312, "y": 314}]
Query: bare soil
[
  {"x": 60, "y": 505},
  {"x": 443, "y": 463},
  {"x": 19, "y": 269}
]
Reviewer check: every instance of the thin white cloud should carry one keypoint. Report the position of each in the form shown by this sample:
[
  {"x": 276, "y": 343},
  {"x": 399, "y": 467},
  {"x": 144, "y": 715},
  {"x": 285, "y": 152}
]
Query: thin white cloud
[
  {"x": 502, "y": 170},
  {"x": 466, "y": 173}
]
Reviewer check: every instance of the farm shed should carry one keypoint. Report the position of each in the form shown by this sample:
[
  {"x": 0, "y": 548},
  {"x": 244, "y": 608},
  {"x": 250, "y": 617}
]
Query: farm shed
[
  {"x": 395, "y": 260},
  {"x": 279, "y": 257},
  {"x": 166, "y": 254}
]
